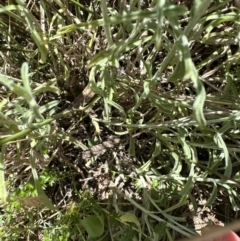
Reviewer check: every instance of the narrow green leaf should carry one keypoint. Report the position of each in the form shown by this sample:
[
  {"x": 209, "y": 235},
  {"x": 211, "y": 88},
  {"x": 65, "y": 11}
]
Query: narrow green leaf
[
  {"x": 182, "y": 201},
  {"x": 187, "y": 187},
  {"x": 178, "y": 72},
  {"x": 144, "y": 167},
  {"x": 198, "y": 10},
  {"x": 200, "y": 98},
  {"x": 100, "y": 59},
  {"x": 20, "y": 90},
  {"x": 213, "y": 195},
  {"x": 93, "y": 85},
  {"x": 106, "y": 23},
  {"x": 42, "y": 196},
  {"x": 157, "y": 149},
  {"x": 131, "y": 149},
  {"x": 186, "y": 149},
  {"x": 176, "y": 226},
  {"x": 228, "y": 164},
  {"x": 8, "y": 9},
  {"x": 3, "y": 190},
  {"x": 146, "y": 87},
  {"x": 175, "y": 10},
  {"x": 177, "y": 163},
  {"x": 158, "y": 34},
  {"x": 136, "y": 15},
  {"x": 235, "y": 207},
  {"x": 117, "y": 106}
]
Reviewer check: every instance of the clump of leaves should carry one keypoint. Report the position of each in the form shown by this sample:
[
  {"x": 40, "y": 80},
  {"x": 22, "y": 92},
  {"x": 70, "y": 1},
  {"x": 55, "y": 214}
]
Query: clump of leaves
[{"x": 138, "y": 101}]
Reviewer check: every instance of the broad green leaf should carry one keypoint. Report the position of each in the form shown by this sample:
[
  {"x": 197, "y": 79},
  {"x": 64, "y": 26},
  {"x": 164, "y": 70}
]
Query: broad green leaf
[
  {"x": 130, "y": 218},
  {"x": 93, "y": 225}
]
